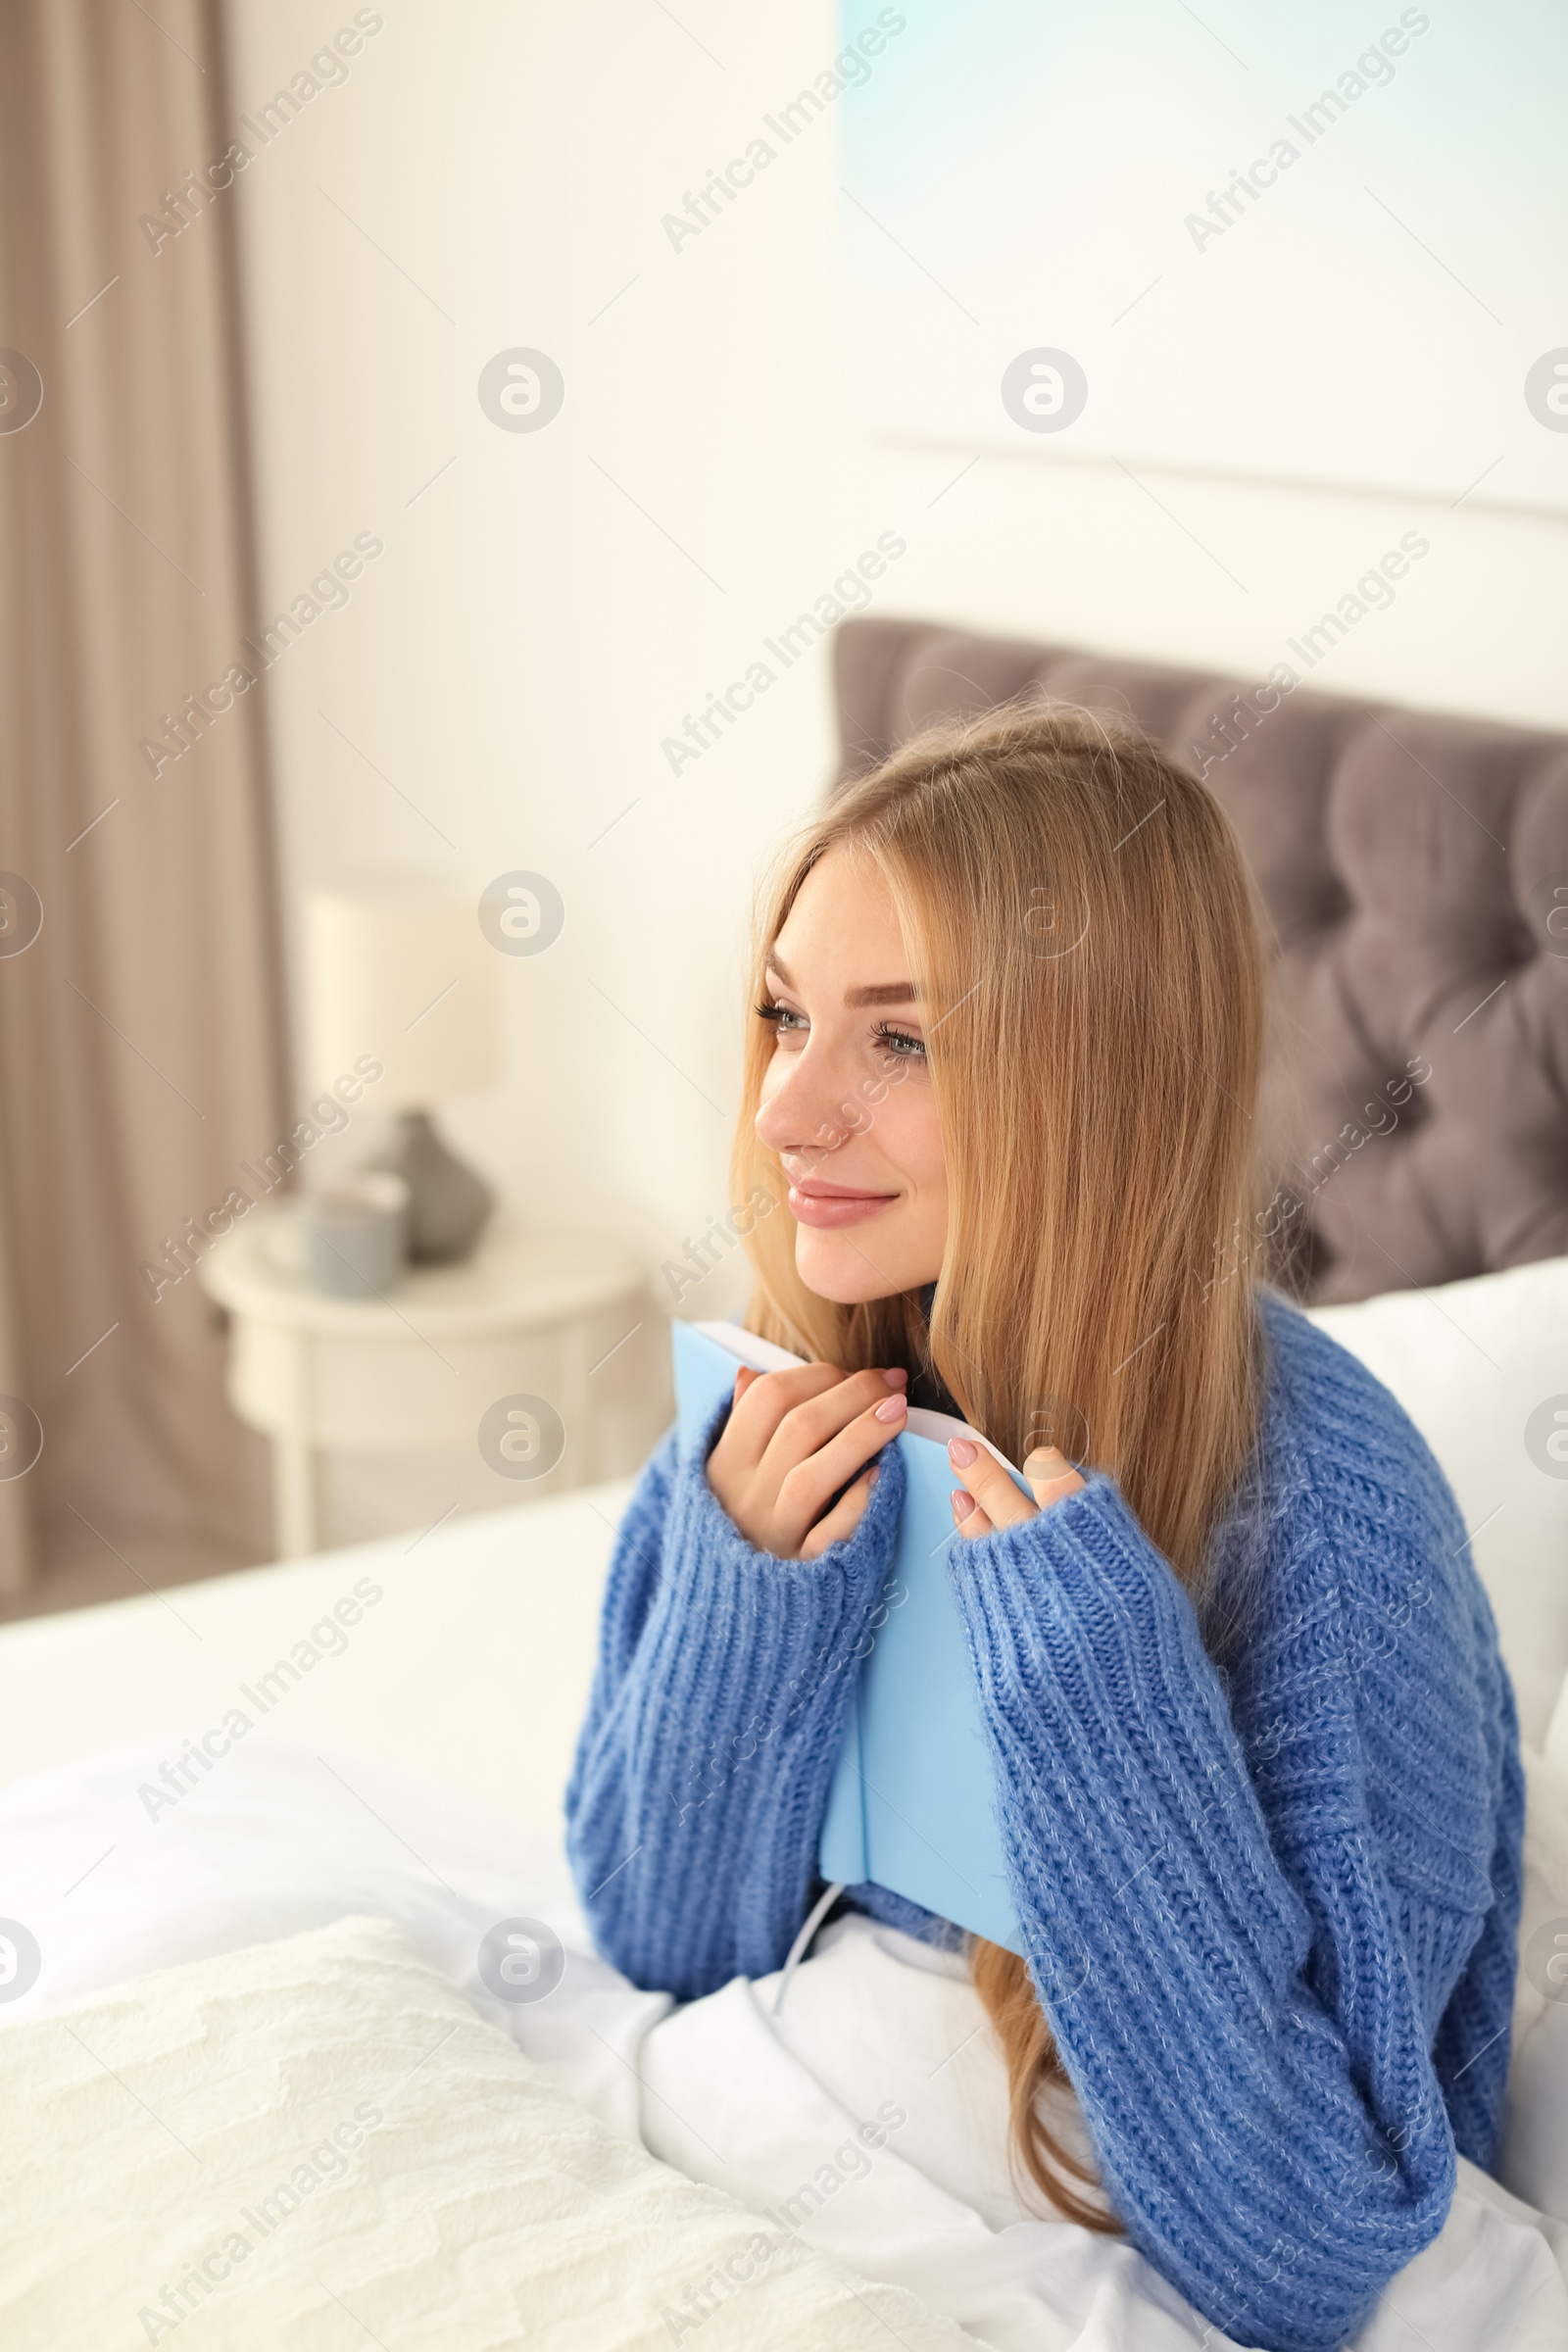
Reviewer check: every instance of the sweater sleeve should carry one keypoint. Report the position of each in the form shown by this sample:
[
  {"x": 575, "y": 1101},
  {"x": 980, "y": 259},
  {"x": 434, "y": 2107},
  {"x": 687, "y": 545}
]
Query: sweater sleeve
[
  {"x": 717, "y": 1710},
  {"x": 1246, "y": 2026},
  {"x": 1472, "y": 2047}
]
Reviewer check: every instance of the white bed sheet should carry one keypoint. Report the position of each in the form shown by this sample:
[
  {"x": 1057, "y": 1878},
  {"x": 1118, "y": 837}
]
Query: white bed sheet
[
  {"x": 472, "y": 1667},
  {"x": 469, "y": 1667},
  {"x": 294, "y": 1834}
]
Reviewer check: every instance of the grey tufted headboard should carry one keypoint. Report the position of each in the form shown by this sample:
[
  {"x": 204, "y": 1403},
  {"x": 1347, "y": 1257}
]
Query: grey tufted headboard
[{"x": 1409, "y": 864}]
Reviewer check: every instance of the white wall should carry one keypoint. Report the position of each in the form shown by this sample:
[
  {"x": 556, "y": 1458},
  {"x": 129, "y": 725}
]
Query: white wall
[{"x": 535, "y": 626}]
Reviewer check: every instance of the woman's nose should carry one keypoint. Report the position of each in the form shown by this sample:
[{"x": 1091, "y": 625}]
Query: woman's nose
[{"x": 805, "y": 1112}]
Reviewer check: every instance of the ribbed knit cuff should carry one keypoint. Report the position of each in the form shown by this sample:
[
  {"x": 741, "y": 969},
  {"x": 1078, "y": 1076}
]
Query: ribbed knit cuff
[
  {"x": 1101, "y": 1699},
  {"x": 755, "y": 1648},
  {"x": 704, "y": 1790}
]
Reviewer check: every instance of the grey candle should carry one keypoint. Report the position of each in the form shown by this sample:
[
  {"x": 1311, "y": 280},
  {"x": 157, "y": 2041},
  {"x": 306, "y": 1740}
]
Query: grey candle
[{"x": 356, "y": 1235}]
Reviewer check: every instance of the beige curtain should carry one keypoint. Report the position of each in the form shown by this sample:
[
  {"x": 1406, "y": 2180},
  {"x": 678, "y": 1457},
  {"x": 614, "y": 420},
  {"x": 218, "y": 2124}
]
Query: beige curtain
[{"x": 140, "y": 1030}]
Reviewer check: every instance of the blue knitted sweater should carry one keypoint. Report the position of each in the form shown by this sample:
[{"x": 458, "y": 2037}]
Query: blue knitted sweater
[{"x": 1271, "y": 1911}]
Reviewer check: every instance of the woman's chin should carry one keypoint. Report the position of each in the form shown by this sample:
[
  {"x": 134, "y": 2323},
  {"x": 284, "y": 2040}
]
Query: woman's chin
[{"x": 835, "y": 1268}]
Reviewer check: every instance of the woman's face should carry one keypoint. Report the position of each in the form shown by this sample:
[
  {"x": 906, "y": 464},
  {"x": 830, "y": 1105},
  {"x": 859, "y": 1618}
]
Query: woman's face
[{"x": 847, "y": 1101}]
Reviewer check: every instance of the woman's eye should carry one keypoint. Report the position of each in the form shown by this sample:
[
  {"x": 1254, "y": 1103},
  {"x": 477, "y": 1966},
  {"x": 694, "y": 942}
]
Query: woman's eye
[
  {"x": 781, "y": 1018},
  {"x": 899, "y": 1042}
]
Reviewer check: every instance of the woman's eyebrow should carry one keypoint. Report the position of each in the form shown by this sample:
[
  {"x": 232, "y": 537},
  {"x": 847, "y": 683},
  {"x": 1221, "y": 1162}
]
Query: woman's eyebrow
[
  {"x": 886, "y": 992},
  {"x": 890, "y": 992}
]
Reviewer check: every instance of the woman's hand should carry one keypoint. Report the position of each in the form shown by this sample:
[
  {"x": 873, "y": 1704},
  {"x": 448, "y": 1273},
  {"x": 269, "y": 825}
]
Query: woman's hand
[
  {"x": 793, "y": 1438},
  {"x": 994, "y": 1501}
]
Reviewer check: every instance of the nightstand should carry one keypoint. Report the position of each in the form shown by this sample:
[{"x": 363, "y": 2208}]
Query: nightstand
[{"x": 542, "y": 1355}]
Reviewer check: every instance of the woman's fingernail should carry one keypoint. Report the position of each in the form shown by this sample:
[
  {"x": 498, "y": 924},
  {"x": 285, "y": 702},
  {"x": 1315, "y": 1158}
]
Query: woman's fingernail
[
  {"x": 962, "y": 1506},
  {"x": 960, "y": 1453},
  {"x": 1049, "y": 1462},
  {"x": 893, "y": 1410},
  {"x": 895, "y": 1376}
]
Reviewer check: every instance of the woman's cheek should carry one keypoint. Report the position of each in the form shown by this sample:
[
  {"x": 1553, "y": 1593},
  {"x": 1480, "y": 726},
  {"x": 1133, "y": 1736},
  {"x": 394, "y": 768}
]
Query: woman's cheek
[{"x": 912, "y": 1136}]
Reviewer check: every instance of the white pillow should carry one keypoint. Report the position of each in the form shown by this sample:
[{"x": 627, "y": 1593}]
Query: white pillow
[
  {"x": 253, "y": 2139},
  {"x": 1480, "y": 1368},
  {"x": 1534, "y": 2158}
]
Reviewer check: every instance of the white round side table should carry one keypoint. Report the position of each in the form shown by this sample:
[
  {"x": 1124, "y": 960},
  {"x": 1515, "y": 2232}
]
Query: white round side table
[{"x": 542, "y": 1354}]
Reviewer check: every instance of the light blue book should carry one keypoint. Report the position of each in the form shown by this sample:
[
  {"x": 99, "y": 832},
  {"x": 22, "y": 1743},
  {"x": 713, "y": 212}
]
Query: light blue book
[{"x": 913, "y": 1804}]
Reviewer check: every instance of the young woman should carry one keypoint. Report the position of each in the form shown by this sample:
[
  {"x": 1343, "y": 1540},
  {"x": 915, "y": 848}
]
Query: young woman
[{"x": 1255, "y": 1754}]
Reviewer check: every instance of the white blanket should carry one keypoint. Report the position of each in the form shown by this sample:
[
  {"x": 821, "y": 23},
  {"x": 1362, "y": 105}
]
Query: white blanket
[
  {"x": 286, "y": 1837},
  {"x": 316, "y": 2140}
]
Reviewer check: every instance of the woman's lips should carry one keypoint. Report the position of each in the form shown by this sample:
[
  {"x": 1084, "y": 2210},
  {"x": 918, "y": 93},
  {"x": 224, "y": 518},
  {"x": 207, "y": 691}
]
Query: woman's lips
[{"x": 830, "y": 1204}]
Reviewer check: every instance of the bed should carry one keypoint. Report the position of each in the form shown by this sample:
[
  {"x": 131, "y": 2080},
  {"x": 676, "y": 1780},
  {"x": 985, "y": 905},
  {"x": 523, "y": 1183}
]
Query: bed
[{"x": 301, "y": 1907}]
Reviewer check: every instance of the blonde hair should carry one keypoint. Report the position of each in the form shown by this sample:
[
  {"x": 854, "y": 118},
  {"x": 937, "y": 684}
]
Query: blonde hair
[{"x": 1081, "y": 923}]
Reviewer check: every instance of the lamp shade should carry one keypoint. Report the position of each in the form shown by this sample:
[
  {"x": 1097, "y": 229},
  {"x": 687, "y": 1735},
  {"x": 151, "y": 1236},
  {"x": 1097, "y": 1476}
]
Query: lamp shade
[{"x": 397, "y": 968}]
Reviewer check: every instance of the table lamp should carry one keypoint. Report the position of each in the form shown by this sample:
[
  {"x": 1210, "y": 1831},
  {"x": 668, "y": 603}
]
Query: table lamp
[{"x": 398, "y": 969}]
